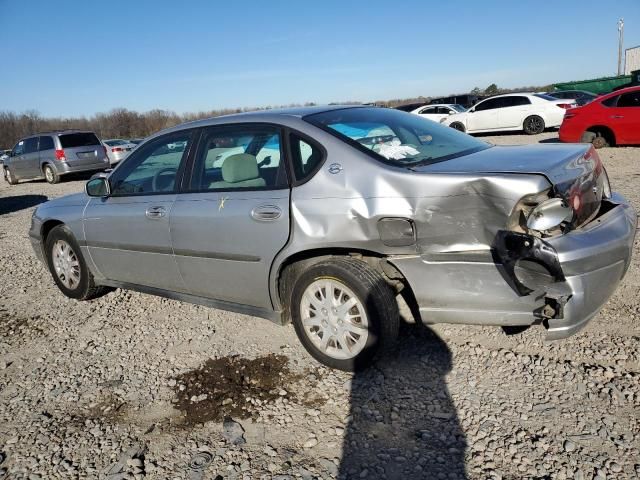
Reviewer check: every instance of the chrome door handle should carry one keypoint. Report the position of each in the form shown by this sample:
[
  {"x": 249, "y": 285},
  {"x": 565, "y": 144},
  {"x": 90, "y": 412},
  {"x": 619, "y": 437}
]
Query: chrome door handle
[
  {"x": 617, "y": 116},
  {"x": 266, "y": 213},
  {"x": 155, "y": 212}
]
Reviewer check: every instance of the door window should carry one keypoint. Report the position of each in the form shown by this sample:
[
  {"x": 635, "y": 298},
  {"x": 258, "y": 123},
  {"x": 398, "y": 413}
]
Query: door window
[
  {"x": 18, "y": 149},
  {"x": 488, "y": 104},
  {"x": 515, "y": 101},
  {"x": 31, "y": 145},
  {"x": 46, "y": 143},
  {"x": 153, "y": 168},
  {"x": 631, "y": 99},
  {"x": 243, "y": 157},
  {"x": 429, "y": 110},
  {"x": 306, "y": 158}
]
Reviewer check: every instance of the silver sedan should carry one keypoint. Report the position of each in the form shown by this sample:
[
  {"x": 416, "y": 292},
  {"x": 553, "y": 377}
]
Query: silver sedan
[
  {"x": 322, "y": 216},
  {"x": 117, "y": 149}
]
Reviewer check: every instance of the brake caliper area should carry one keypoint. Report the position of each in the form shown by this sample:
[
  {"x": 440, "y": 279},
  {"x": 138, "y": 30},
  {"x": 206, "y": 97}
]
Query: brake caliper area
[{"x": 532, "y": 265}]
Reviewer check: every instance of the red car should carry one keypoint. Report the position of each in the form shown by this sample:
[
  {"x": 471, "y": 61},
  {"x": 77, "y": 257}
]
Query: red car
[{"x": 612, "y": 119}]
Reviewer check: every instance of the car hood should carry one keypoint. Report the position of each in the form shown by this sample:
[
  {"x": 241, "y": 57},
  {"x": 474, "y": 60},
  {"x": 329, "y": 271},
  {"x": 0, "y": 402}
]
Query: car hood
[
  {"x": 74, "y": 200},
  {"x": 558, "y": 163}
]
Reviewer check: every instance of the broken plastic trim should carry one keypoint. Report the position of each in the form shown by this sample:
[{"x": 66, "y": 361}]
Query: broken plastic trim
[{"x": 511, "y": 247}]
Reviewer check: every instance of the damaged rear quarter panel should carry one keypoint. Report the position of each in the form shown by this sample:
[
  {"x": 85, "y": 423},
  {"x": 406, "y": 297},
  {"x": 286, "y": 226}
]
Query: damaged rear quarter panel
[{"x": 456, "y": 217}]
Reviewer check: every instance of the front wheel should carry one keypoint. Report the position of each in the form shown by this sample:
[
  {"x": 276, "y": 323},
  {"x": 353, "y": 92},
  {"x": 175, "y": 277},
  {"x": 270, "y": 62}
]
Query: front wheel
[
  {"x": 344, "y": 313},
  {"x": 8, "y": 176},
  {"x": 533, "y": 125},
  {"x": 68, "y": 267}
]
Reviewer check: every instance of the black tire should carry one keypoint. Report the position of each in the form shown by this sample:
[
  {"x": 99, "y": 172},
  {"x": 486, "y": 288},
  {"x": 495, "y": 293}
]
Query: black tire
[
  {"x": 458, "y": 126},
  {"x": 50, "y": 174},
  {"x": 85, "y": 289},
  {"x": 600, "y": 141},
  {"x": 373, "y": 293},
  {"x": 8, "y": 176},
  {"x": 533, "y": 125}
]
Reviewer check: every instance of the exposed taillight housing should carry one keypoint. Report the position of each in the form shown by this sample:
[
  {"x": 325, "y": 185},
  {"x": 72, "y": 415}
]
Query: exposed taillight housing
[
  {"x": 117, "y": 149},
  {"x": 60, "y": 155},
  {"x": 105, "y": 150},
  {"x": 566, "y": 106}
]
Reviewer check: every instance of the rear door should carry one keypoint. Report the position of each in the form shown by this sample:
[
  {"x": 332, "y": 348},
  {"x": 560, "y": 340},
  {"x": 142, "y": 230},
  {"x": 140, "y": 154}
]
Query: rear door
[
  {"x": 127, "y": 233},
  {"x": 513, "y": 111},
  {"x": 484, "y": 115},
  {"x": 625, "y": 118},
  {"x": 234, "y": 218},
  {"x": 46, "y": 150},
  {"x": 81, "y": 148}
]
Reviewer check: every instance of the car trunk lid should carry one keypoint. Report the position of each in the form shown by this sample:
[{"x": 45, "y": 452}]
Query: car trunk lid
[{"x": 575, "y": 172}]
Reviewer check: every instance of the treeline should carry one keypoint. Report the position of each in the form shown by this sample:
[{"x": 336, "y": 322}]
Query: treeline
[{"x": 123, "y": 123}]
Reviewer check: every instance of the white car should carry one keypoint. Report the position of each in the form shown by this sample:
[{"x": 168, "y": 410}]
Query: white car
[
  {"x": 117, "y": 149},
  {"x": 439, "y": 111},
  {"x": 529, "y": 112}
]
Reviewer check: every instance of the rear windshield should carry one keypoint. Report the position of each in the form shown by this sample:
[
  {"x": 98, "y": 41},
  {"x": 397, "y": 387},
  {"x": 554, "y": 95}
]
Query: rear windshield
[
  {"x": 545, "y": 96},
  {"x": 395, "y": 137},
  {"x": 113, "y": 143},
  {"x": 80, "y": 139}
]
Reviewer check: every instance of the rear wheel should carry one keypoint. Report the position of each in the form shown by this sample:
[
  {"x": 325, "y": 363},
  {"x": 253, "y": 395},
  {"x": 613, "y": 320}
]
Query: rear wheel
[
  {"x": 533, "y": 125},
  {"x": 344, "y": 313},
  {"x": 68, "y": 267},
  {"x": 50, "y": 175},
  {"x": 8, "y": 176},
  {"x": 600, "y": 141},
  {"x": 458, "y": 126}
]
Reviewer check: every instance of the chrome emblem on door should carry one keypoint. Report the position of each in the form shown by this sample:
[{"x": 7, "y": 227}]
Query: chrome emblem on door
[{"x": 335, "y": 168}]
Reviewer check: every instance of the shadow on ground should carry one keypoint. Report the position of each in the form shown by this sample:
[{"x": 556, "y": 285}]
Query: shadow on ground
[
  {"x": 403, "y": 422},
  {"x": 20, "y": 202}
]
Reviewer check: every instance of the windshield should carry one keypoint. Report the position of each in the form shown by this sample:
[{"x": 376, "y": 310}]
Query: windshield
[
  {"x": 459, "y": 108},
  {"x": 396, "y": 137}
]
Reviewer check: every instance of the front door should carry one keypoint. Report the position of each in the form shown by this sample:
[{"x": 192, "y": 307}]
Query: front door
[
  {"x": 16, "y": 161},
  {"x": 127, "y": 233},
  {"x": 228, "y": 228},
  {"x": 484, "y": 116}
]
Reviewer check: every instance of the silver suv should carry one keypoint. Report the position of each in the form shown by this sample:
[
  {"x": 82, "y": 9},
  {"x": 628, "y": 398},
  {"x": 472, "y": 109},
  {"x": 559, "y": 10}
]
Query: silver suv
[
  {"x": 53, "y": 154},
  {"x": 321, "y": 216}
]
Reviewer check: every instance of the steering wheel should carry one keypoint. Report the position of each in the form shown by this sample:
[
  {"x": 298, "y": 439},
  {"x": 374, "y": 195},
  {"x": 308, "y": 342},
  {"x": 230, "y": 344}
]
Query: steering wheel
[{"x": 155, "y": 181}]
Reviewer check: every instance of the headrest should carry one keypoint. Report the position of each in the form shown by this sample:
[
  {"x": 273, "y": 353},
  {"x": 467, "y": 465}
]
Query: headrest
[{"x": 239, "y": 167}]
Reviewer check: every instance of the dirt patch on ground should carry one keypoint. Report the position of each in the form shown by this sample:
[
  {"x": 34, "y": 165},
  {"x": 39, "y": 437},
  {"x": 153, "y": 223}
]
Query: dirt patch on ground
[
  {"x": 232, "y": 386},
  {"x": 12, "y": 325}
]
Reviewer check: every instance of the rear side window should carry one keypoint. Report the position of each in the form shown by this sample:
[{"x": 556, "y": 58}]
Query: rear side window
[
  {"x": 306, "y": 158},
  {"x": 80, "y": 139},
  {"x": 515, "y": 101},
  {"x": 31, "y": 145},
  {"x": 631, "y": 99},
  {"x": 46, "y": 143}
]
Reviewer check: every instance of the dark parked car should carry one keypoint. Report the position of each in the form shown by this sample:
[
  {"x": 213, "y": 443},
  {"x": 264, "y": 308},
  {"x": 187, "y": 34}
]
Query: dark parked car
[{"x": 581, "y": 97}]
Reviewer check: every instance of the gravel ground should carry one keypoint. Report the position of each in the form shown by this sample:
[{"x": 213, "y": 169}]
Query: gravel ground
[{"x": 135, "y": 386}]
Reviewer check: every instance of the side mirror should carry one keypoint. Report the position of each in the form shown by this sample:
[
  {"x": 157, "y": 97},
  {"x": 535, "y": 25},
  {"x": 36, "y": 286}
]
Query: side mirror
[
  {"x": 98, "y": 187},
  {"x": 452, "y": 113},
  {"x": 471, "y": 110}
]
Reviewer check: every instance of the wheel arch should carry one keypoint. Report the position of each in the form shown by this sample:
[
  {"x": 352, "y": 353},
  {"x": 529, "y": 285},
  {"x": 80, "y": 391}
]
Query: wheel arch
[
  {"x": 604, "y": 130},
  {"x": 47, "y": 226},
  {"x": 285, "y": 273}
]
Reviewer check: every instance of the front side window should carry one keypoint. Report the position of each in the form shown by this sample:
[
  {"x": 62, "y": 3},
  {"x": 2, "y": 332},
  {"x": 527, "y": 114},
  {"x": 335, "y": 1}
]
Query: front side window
[
  {"x": 395, "y": 137},
  {"x": 46, "y": 143},
  {"x": 631, "y": 99},
  {"x": 239, "y": 158},
  {"x": 611, "y": 101},
  {"x": 153, "y": 168},
  {"x": 31, "y": 145},
  {"x": 18, "y": 149}
]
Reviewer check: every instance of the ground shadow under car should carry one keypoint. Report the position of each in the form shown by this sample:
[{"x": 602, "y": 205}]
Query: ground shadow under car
[
  {"x": 20, "y": 202},
  {"x": 403, "y": 422}
]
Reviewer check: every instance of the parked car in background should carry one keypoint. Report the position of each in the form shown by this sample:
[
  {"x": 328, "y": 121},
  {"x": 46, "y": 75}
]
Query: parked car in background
[
  {"x": 136, "y": 141},
  {"x": 467, "y": 100},
  {"x": 438, "y": 112},
  {"x": 54, "y": 154},
  {"x": 323, "y": 215},
  {"x": 581, "y": 97},
  {"x": 409, "y": 107},
  {"x": 4, "y": 154},
  {"x": 609, "y": 120},
  {"x": 528, "y": 112},
  {"x": 117, "y": 149}
]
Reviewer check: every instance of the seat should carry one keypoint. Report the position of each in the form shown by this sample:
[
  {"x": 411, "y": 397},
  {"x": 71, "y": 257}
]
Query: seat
[{"x": 239, "y": 171}]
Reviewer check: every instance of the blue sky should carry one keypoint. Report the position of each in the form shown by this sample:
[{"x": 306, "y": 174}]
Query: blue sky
[{"x": 78, "y": 57}]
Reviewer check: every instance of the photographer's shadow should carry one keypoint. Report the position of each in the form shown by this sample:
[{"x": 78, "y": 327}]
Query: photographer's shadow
[{"x": 403, "y": 422}]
